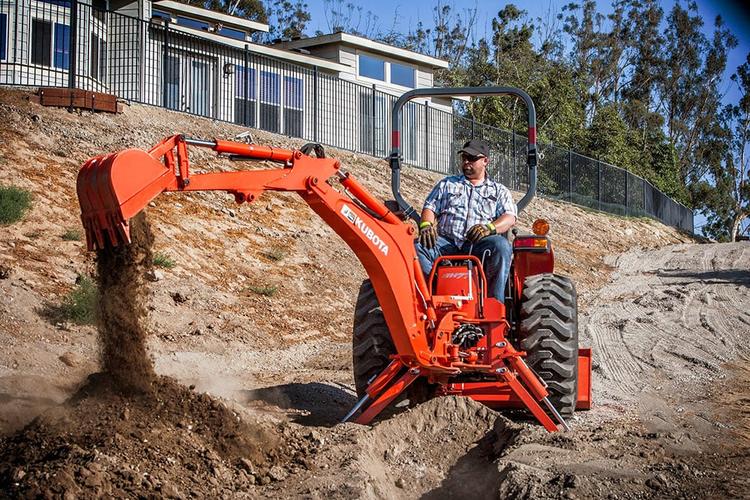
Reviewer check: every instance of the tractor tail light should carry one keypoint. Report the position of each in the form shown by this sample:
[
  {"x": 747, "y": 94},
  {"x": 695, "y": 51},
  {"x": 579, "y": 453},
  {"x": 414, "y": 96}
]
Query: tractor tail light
[{"x": 531, "y": 243}]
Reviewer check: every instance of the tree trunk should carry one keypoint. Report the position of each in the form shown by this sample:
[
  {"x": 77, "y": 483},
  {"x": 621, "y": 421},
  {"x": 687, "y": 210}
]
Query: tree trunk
[{"x": 736, "y": 226}]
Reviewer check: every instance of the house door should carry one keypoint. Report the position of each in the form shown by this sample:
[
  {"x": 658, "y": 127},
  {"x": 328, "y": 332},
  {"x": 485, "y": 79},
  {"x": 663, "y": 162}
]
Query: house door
[{"x": 190, "y": 83}]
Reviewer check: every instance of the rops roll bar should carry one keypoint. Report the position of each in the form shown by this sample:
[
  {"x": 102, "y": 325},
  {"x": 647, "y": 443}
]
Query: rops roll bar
[{"x": 395, "y": 157}]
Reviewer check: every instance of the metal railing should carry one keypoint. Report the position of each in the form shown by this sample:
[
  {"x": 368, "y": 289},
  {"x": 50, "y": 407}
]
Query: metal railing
[{"x": 71, "y": 43}]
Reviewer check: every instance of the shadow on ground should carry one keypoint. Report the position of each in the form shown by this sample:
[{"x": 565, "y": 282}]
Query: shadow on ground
[{"x": 319, "y": 404}]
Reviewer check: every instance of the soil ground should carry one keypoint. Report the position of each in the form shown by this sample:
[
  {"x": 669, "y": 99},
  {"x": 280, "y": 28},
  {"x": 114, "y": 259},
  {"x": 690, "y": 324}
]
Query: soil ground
[{"x": 249, "y": 335}]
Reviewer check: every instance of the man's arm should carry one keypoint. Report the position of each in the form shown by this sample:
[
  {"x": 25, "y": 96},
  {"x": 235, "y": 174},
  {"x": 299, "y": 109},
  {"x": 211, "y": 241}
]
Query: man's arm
[
  {"x": 428, "y": 215},
  {"x": 503, "y": 223}
]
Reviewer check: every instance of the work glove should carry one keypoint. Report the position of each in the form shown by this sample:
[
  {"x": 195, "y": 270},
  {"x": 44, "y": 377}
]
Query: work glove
[
  {"x": 427, "y": 235},
  {"x": 479, "y": 231}
]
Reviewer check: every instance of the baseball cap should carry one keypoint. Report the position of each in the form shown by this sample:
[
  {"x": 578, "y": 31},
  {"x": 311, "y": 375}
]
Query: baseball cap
[{"x": 476, "y": 147}]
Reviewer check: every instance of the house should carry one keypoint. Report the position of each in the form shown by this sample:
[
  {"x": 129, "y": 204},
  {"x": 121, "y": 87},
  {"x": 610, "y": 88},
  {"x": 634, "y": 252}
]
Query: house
[
  {"x": 389, "y": 71},
  {"x": 336, "y": 89}
]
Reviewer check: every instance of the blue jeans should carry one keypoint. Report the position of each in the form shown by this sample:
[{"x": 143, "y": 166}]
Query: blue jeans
[{"x": 496, "y": 264}]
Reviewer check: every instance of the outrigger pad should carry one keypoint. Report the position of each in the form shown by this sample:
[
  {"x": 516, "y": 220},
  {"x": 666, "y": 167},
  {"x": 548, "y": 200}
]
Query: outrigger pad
[{"x": 113, "y": 188}]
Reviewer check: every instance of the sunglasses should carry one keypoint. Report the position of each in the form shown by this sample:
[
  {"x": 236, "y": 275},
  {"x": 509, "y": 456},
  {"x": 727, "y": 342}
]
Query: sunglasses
[{"x": 470, "y": 158}]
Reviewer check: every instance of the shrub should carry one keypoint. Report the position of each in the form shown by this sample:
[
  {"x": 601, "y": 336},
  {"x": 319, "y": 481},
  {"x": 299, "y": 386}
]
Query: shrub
[
  {"x": 79, "y": 305},
  {"x": 163, "y": 260},
  {"x": 72, "y": 235},
  {"x": 14, "y": 203},
  {"x": 266, "y": 291}
]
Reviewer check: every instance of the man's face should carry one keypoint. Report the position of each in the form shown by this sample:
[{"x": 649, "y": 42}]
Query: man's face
[{"x": 473, "y": 166}]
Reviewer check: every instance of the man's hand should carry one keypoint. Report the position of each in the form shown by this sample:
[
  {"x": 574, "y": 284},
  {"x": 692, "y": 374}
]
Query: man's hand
[
  {"x": 479, "y": 231},
  {"x": 427, "y": 235}
]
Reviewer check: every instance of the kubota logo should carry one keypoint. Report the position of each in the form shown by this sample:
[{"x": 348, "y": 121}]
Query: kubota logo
[{"x": 360, "y": 224}]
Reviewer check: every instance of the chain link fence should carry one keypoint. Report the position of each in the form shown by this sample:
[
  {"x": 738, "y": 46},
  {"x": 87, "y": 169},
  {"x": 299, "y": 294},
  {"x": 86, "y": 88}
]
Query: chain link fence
[{"x": 77, "y": 44}]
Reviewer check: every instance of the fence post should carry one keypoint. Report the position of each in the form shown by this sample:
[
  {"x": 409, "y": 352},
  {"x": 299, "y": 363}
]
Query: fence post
[
  {"x": 599, "y": 181},
  {"x": 514, "y": 184},
  {"x": 315, "y": 104},
  {"x": 570, "y": 175},
  {"x": 644, "y": 197},
  {"x": 627, "y": 201},
  {"x": 427, "y": 134},
  {"x": 165, "y": 66},
  {"x": 246, "y": 85},
  {"x": 73, "y": 44},
  {"x": 374, "y": 110}
]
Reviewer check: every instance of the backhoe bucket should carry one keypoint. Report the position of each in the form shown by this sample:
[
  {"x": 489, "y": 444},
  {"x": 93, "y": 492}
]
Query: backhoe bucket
[{"x": 113, "y": 188}]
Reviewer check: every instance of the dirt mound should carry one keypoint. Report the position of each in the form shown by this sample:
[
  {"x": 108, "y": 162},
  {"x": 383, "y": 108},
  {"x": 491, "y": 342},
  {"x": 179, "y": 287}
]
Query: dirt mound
[{"x": 170, "y": 441}]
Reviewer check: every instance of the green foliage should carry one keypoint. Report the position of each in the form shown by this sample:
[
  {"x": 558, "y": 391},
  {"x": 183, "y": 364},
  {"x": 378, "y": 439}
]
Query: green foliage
[
  {"x": 79, "y": 305},
  {"x": 723, "y": 195},
  {"x": 248, "y": 9},
  {"x": 608, "y": 138},
  {"x": 163, "y": 260},
  {"x": 287, "y": 19},
  {"x": 14, "y": 203},
  {"x": 265, "y": 290},
  {"x": 71, "y": 235}
]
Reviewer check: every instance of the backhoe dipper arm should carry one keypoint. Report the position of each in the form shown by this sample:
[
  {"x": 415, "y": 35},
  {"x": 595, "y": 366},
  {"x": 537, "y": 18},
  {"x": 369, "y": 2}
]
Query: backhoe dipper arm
[{"x": 113, "y": 188}]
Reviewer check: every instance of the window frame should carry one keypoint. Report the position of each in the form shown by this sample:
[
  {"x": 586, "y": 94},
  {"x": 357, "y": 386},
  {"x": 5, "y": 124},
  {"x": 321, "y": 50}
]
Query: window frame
[
  {"x": 239, "y": 95},
  {"x": 40, "y": 46},
  {"x": 4, "y": 36},
  {"x": 64, "y": 54},
  {"x": 362, "y": 55},
  {"x": 387, "y": 71}
]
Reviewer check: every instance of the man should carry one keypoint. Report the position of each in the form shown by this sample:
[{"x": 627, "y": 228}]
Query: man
[{"x": 467, "y": 214}]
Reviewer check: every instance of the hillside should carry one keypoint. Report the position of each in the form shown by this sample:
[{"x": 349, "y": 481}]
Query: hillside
[{"x": 257, "y": 309}]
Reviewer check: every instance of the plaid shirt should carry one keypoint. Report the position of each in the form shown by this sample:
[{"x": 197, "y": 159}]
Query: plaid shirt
[{"x": 459, "y": 205}]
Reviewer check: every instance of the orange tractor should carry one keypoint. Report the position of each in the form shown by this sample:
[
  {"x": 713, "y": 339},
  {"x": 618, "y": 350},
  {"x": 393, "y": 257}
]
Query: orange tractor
[{"x": 442, "y": 332}]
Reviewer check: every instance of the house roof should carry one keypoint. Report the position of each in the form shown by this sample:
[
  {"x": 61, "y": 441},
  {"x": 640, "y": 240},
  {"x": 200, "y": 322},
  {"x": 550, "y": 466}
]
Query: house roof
[
  {"x": 265, "y": 50},
  {"x": 365, "y": 43},
  {"x": 210, "y": 15}
]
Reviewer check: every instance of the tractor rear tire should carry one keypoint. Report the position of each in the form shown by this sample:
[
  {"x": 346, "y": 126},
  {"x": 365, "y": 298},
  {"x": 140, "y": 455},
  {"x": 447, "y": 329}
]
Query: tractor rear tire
[
  {"x": 371, "y": 343},
  {"x": 549, "y": 334},
  {"x": 372, "y": 347}
]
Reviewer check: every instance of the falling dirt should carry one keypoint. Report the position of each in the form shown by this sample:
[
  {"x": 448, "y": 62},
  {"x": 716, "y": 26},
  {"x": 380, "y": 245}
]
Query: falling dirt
[{"x": 121, "y": 272}]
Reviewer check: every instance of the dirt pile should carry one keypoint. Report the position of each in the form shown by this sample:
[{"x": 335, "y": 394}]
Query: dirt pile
[{"x": 170, "y": 442}]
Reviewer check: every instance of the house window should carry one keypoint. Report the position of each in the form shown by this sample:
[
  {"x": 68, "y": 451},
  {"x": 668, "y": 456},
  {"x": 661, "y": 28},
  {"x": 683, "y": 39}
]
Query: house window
[
  {"x": 41, "y": 42},
  {"x": 390, "y": 72},
  {"x": 192, "y": 23},
  {"x": 61, "y": 3},
  {"x": 371, "y": 67},
  {"x": 402, "y": 75},
  {"x": 231, "y": 33},
  {"x": 270, "y": 93},
  {"x": 160, "y": 14},
  {"x": 293, "y": 106},
  {"x": 372, "y": 131},
  {"x": 3, "y": 36},
  {"x": 244, "y": 83},
  {"x": 98, "y": 58},
  {"x": 172, "y": 80},
  {"x": 62, "y": 46}
]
